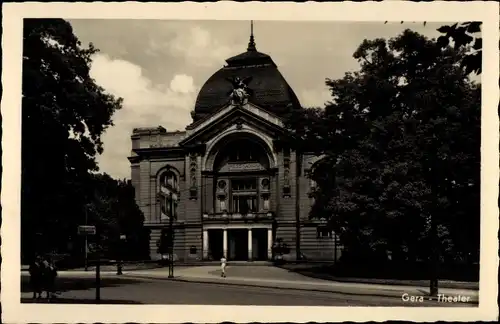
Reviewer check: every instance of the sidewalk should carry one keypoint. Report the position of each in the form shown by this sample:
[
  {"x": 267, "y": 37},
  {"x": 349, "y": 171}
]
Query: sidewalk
[
  {"x": 211, "y": 274},
  {"x": 272, "y": 277}
]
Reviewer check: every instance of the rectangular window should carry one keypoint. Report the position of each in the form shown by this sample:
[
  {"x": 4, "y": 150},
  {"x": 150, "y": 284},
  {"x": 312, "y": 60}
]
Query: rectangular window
[
  {"x": 244, "y": 204},
  {"x": 244, "y": 184},
  {"x": 323, "y": 232}
]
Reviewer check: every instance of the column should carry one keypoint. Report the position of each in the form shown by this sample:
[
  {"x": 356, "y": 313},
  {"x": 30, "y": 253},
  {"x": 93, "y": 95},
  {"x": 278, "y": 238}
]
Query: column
[
  {"x": 250, "y": 255},
  {"x": 270, "y": 243},
  {"x": 224, "y": 243},
  {"x": 205, "y": 245}
]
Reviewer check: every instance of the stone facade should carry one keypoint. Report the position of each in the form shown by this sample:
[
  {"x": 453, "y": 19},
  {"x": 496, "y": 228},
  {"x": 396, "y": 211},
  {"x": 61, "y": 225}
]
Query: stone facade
[
  {"x": 230, "y": 185},
  {"x": 209, "y": 188}
]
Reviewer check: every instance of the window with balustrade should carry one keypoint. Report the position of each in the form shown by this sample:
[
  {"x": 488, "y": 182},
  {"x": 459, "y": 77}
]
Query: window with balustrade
[
  {"x": 245, "y": 204},
  {"x": 244, "y": 196}
]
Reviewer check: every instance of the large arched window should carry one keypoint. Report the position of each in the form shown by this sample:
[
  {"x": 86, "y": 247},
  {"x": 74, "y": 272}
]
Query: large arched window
[
  {"x": 168, "y": 180},
  {"x": 244, "y": 151},
  {"x": 168, "y": 207},
  {"x": 168, "y": 186}
]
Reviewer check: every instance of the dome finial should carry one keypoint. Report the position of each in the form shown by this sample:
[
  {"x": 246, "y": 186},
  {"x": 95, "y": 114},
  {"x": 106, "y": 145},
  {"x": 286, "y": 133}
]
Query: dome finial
[{"x": 251, "y": 44}]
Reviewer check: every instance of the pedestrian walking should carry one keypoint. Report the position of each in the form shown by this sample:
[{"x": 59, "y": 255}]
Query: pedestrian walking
[
  {"x": 49, "y": 278},
  {"x": 36, "y": 273},
  {"x": 223, "y": 264}
]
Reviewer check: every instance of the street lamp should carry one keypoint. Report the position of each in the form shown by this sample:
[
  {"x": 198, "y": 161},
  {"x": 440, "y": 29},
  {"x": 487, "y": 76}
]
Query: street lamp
[
  {"x": 171, "y": 237},
  {"x": 434, "y": 260},
  {"x": 86, "y": 240},
  {"x": 121, "y": 249}
]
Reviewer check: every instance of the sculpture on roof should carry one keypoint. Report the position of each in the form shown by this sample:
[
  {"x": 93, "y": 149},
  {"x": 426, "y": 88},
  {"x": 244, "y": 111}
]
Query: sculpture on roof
[{"x": 240, "y": 92}]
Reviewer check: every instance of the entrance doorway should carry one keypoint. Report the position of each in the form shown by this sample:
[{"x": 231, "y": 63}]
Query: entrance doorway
[
  {"x": 215, "y": 244},
  {"x": 259, "y": 244},
  {"x": 237, "y": 244}
]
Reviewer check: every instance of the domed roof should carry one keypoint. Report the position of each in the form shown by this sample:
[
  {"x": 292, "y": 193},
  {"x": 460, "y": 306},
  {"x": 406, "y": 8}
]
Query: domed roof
[{"x": 269, "y": 88}]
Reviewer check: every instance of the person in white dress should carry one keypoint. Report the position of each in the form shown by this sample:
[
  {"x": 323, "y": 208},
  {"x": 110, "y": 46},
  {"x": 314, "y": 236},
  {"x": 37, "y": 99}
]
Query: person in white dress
[{"x": 223, "y": 264}]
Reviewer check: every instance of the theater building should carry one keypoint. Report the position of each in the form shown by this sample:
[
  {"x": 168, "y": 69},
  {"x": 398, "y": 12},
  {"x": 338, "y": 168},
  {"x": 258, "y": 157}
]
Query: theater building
[{"x": 231, "y": 185}]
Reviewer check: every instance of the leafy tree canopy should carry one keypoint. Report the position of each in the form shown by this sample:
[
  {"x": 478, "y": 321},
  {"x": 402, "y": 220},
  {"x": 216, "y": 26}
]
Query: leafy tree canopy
[
  {"x": 114, "y": 211},
  {"x": 401, "y": 140},
  {"x": 465, "y": 35},
  {"x": 64, "y": 114},
  {"x": 460, "y": 35}
]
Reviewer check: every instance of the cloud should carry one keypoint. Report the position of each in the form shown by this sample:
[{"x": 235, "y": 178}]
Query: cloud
[
  {"x": 144, "y": 105},
  {"x": 314, "y": 98},
  {"x": 182, "y": 83},
  {"x": 198, "y": 46}
]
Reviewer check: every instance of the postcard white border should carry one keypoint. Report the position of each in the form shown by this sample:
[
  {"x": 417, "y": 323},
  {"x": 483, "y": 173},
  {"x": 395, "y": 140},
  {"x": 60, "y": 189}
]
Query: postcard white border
[{"x": 13, "y": 13}]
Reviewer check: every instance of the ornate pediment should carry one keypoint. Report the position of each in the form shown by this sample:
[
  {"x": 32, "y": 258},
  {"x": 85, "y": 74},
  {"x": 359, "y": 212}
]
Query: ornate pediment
[{"x": 247, "y": 114}]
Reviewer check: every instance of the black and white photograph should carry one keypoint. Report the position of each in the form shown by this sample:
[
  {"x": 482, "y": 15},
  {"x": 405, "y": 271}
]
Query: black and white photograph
[{"x": 244, "y": 161}]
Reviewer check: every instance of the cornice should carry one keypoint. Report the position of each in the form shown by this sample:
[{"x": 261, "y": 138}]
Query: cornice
[{"x": 157, "y": 152}]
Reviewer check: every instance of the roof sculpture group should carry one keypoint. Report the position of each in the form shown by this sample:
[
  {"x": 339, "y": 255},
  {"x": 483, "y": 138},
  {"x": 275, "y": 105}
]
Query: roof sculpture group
[{"x": 241, "y": 92}]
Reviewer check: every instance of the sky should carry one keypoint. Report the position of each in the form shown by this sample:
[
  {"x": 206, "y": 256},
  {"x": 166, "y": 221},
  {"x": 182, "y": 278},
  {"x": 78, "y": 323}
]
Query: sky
[{"x": 158, "y": 66}]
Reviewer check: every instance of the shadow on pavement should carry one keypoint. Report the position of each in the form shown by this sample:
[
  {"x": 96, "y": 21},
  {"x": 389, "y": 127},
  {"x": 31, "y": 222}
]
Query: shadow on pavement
[
  {"x": 76, "y": 301},
  {"x": 66, "y": 284}
]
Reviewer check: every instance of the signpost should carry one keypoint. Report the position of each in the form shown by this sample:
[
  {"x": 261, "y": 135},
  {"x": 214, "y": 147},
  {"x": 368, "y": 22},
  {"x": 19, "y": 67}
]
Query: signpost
[
  {"x": 87, "y": 230},
  {"x": 433, "y": 289}
]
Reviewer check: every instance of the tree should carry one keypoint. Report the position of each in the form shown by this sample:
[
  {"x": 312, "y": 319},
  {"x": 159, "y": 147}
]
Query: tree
[
  {"x": 64, "y": 114},
  {"x": 401, "y": 140},
  {"x": 465, "y": 35},
  {"x": 113, "y": 209}
]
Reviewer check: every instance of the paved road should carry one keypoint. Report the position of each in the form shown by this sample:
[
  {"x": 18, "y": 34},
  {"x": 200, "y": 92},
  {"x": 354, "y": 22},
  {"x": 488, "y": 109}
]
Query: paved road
[{"x": 119, "y": 290}]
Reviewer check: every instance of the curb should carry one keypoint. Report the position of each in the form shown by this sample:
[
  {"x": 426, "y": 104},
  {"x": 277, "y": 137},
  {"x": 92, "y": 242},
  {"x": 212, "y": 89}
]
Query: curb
[
  {"x": 387, "y": 282},
  {"x": 470, "y": 285},
  {"x": 396, "y": 294}
]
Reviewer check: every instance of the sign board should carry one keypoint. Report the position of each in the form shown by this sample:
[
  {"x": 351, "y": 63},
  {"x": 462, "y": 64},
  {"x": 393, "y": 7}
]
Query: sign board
[{"x": 86, "y": 230}]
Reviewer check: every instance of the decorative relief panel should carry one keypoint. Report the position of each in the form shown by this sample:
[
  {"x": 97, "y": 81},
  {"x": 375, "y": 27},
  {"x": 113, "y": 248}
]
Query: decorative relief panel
[
  {"x": 286, "y": 177},
  {"x": 193, "y": 171},
  {"x": 221, "y": 196},
  {"x": 236, "y": 167}
]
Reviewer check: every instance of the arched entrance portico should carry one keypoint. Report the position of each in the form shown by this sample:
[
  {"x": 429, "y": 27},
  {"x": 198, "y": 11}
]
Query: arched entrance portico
[
  {"x": 240, "y": 168},
  {"x": 219, "y": 147}
]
